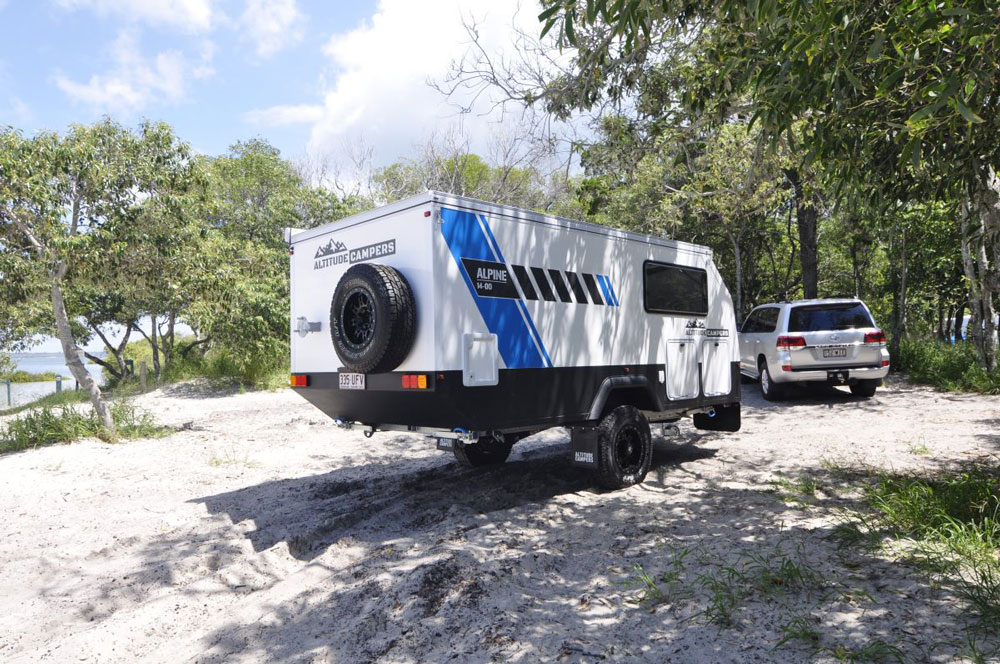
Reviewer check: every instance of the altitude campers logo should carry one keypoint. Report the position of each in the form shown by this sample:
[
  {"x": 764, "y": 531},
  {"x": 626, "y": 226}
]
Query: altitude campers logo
[{"x": 337, "y": 253}]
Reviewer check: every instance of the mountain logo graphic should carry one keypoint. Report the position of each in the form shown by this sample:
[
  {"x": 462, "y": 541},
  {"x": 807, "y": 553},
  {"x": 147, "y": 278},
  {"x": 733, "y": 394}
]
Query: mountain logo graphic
[
  {"x": 330, "y": 248},
  {"x": 695, "y": 324}
]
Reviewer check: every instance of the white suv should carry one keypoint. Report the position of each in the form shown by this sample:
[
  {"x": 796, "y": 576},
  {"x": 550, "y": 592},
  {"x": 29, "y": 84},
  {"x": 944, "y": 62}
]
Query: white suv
[{"x": 832, "y": 341}]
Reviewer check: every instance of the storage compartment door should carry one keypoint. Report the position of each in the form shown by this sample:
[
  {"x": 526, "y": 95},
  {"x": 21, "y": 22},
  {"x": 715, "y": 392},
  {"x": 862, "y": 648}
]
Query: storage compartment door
[
  {"x": 716, "y": 375},
  {"x": 682, "y": 370}
]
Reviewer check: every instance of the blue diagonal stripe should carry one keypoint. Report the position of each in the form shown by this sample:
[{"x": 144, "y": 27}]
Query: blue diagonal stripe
[
  {"x": 604, "y": 289},
  {"x": 466, "y": 238},
  {"x": 611, "y": 287}
]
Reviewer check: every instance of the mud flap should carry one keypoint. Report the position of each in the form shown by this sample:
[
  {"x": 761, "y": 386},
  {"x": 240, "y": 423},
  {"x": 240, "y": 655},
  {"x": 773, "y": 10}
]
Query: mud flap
[
  {"x": 725, "y": 418},
  {"x": 583, "y": 441}
]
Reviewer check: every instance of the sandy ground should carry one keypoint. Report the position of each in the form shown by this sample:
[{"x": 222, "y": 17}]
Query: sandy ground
[{"x": 259, "y": 532}]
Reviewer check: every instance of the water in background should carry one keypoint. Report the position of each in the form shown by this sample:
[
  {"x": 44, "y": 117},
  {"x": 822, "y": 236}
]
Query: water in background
[{"x": 40, "y": 363}]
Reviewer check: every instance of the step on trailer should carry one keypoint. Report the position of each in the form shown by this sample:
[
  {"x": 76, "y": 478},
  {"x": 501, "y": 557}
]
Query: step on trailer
[{"x": 478, "y": 324}]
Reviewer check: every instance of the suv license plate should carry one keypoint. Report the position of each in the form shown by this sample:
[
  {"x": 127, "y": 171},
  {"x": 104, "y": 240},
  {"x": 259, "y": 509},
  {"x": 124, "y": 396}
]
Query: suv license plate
[
  {"x": 352, "y": 381},
  {"x": 834, "y": 352}
]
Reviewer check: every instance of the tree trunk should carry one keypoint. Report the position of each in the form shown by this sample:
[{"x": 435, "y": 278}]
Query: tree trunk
[
  {"x": 156, "y": 350},
  {"x": 737, "y": 258},
  {"x": 940, "y": 318},
  {"x": 168, "y": 341},
  {"x": 65, "y": 335},
  {"x": 805, "y": 218},
  {"x": 959, "y": 315},
  {"x": 976, "y": 217},
  {"x": 899, "y": 301},
  {"x": 949, "y": 324}
]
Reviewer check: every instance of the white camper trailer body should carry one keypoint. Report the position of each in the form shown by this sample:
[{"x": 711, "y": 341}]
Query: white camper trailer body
[{"x": 522, "y": 321}]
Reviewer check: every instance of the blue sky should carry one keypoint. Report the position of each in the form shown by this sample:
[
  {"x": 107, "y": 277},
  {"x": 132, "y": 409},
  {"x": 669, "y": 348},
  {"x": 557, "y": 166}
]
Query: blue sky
[{"x": 312, "y": 77}]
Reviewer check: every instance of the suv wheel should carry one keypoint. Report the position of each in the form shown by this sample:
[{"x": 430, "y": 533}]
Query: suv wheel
[
  {"x": 864, "y": 388},
  {"x": 768, "y": 388}
]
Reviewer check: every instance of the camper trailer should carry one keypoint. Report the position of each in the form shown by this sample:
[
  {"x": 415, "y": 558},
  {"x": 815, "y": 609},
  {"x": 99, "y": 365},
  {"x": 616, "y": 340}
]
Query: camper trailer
[{"x": 478, "y": 324}]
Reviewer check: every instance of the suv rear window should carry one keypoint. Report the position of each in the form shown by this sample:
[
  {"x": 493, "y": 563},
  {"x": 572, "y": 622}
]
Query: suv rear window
[{"x": 818, "y": 317}]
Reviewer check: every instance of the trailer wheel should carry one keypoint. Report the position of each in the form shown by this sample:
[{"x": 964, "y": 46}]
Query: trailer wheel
[
  {"x": 487, "y": 452},
  {"x": 372, "y": 318},
  {"x": 624, "y": 448}
]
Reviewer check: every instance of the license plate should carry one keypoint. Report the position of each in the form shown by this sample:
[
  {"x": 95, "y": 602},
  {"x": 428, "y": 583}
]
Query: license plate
[
  {"x": 352, "y": 381},
  {"x": 834, "y": 352}
]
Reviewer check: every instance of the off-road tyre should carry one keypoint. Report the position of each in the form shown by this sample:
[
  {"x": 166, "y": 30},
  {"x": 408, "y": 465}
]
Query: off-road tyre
[
  {"x": 488, "y": 451},
  {"x": 864, "y": 388},
  {"x": 768, "y": 388},
  {"x": 624, "y": 448},
  {"x": 373, "y": 318}
]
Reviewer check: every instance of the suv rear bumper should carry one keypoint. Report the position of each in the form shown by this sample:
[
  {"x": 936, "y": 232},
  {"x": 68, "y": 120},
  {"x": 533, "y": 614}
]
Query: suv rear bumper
[{"x": 819, "y": 375}]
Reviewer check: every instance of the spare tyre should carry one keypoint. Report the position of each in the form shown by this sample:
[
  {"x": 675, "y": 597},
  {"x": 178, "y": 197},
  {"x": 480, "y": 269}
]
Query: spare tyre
[{"x": 373, "y": 318}]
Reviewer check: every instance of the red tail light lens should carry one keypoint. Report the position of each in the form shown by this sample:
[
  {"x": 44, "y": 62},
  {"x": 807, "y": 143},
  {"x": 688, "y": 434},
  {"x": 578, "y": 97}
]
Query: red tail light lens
[
  {"x": 789, "y": 343},
  {"x": 414, "y": 381},
  {"x": 299, "y": 380},
  {"x": 885, "y": 363},
  {"x": 877, "y": 337}
]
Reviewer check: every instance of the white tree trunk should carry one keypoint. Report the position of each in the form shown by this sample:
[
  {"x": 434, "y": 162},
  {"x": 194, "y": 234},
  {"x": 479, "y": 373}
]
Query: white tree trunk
[{"x": 80, "y": 373}]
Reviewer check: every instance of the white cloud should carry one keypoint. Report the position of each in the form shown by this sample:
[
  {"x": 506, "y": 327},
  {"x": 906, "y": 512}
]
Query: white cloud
[
  {"x": 278, "y": 116},
  {"x": 188, "y": 15},
  {"x": 134, "y": 81},
  {"x": 378, "y": 74},
  {"x": 17, "y": 112},
  {"x": 272, "y": 25}
]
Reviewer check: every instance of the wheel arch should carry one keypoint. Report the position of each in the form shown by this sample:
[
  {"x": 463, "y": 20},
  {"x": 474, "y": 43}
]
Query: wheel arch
[{"x": 622, "y": 391}]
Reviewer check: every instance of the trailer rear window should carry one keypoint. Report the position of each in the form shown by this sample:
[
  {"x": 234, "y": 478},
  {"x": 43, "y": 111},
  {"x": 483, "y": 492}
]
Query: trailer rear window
[
  {"x": 816, "y": 318},
  {"x": 673, "y": 289}
]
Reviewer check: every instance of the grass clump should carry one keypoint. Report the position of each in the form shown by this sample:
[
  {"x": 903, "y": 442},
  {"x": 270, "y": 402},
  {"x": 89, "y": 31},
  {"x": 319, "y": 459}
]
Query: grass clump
[
  {"x": 48, "y": 425},
  {"x": 50, "y": 400},
  {"x": 948, "y": 525},
  {"x": 946, "y": 366}
]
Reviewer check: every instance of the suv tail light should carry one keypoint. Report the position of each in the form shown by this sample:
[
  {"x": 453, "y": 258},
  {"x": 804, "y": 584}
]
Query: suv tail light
[
  {"x": 877, "y": 337},
  {"x": 788, "y": 343}
]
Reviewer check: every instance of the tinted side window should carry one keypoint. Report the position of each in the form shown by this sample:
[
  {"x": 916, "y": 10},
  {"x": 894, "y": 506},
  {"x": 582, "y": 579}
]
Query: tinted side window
[
  {"x": 751, "y": 323},
  {"x": 672, "y": 289},
  {"x": 819, "y": 317},
  {"x": 768, "y": 320}
]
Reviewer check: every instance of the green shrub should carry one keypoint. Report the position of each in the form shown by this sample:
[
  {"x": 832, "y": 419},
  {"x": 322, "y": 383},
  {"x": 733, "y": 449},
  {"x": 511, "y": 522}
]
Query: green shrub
[
  {"x": 20, "y": 376},
  {"x": 947, "y": 366},
  {"x": 64, "y": 424},
  {"x": 263, "y": 367}
]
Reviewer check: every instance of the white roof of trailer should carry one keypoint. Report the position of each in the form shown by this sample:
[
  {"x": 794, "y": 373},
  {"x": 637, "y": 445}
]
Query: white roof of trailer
[{"x": 493, "y": 209}]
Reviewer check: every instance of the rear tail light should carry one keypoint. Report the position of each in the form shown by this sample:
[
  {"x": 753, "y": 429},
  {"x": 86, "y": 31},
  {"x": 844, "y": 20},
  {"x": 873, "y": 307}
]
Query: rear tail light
[
  {"x": 877, "y": 337},
  {"x": 786, "y": 367},
  {"x": 414, "y": 381},
  {"x": 788, "y": 343},
  {"x": 885, "y": 363},
  {"x": 299, "y": 380}
]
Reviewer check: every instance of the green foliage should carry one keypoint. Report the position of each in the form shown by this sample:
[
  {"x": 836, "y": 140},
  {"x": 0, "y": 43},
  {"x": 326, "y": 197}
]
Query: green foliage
[
  {"x": 64, "y": 424},
  {"x": 240, "y": 271},
  {"x": 947, "y": 366},
  {"x": 6, "y": 365}
]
